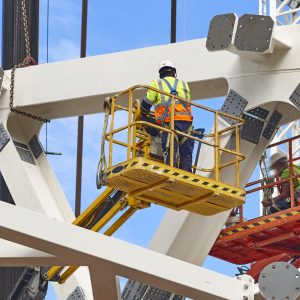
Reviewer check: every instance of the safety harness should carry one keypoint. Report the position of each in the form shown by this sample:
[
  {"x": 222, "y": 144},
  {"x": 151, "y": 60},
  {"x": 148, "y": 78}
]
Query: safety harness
[
  {"x": 296, "y": 193},
  {"x": 173, "y": 91}
]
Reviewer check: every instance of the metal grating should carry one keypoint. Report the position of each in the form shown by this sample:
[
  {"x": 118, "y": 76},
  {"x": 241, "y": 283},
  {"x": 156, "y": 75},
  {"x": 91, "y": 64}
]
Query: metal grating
[
  {"x": 77, "y": 294},
  {"x": 36, "y": 147},
  {"x": 234, "y": 105},
  {"x": 254, "y": 33},
  {"x": 272, "y": 125},
  {"x": 173, "y": 188},
  {"x": 24, "y": 153},
  {"x": 4, "y": 136},
  {"x": 220, "y": 32},
  {"x": 295, "y": 97}
]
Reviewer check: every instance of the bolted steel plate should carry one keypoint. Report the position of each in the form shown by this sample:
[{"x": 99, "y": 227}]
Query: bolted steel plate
[
  {"x": 252, "y": 129},
  {"x": 36, "y": 147},
  {"x": 295, "y": 97},
  {"x": 234, "y": 105},
  {"x": 278, "y": 281},
  {"x": 1, "y": 77},
  {"x": 220, "y": 32},
  {"x": 24, "y": 153},
  {"x": 4, "y": 136},
  {"x": 272, "y": 125},
  {"x": 259, "y": 112},
  {"x": 254, "y": 33}
]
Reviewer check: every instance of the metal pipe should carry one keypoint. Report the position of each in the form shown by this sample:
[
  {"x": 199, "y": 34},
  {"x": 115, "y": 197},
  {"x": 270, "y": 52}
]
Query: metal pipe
[
  {"x": 272, "y": 184},
  {"x": 216, "y": 148},
  {"x": 80, "y": 118},
  {"x": 275, "y": 239},
  {"x": 79, "y": 166},
  {"x": 173, "y": 20},
  {"x": 291, "y": 169},
  {"x": 284, "y": 141}
]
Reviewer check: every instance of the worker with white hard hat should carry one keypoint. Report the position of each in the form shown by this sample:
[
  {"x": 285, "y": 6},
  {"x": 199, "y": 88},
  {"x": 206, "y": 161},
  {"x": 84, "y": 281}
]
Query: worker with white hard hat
[
  {"x": 168, "y": 82},
  {"x": 280, "y": 167}
]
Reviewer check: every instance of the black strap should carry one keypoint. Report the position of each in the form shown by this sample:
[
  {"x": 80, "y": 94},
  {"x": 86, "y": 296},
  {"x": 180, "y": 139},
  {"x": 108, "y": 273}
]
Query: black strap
[{"x": 173, "y": 91}]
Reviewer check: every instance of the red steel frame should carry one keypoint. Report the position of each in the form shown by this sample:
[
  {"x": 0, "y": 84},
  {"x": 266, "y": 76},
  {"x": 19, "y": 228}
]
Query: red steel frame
[
  {"x": 265, "y": 237},
  {"x": 278, "y": 182}
]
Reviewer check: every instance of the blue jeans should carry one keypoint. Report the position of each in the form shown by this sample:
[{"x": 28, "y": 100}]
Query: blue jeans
[
  {"x": 185, "y": 150},
  {"x": 281, "y": 204}
]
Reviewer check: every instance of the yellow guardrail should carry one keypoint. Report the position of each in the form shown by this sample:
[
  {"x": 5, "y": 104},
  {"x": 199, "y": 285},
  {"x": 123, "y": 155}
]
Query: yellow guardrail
[{"x": 135, "y": 134}]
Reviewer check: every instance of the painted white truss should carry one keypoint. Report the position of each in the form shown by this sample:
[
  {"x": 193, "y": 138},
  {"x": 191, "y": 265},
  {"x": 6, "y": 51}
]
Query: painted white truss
[
  {"x": 107, "y": 258},
  {"x": 79, "y": 87},
  {"x": 285, "y": 12}
]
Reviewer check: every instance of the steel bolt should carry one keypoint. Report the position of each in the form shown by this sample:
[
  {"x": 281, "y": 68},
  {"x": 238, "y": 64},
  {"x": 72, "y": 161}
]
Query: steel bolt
[
  {"x": 246, "y": 286},
  {"x": 245, "y": 298}
]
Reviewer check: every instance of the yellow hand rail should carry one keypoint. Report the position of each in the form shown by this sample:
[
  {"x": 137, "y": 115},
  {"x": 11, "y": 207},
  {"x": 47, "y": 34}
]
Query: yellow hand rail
[{"x": 134, "y": 128}]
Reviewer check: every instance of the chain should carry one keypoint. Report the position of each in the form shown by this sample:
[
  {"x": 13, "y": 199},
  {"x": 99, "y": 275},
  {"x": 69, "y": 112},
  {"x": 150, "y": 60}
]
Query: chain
[
  {"x": 25, "y": 26},
  {"x": 28, "y": 60}
]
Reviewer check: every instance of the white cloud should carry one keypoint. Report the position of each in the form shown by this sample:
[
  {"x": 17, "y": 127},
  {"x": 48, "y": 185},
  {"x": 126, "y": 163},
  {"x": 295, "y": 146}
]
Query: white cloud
[{"x": 64, "y": 50}]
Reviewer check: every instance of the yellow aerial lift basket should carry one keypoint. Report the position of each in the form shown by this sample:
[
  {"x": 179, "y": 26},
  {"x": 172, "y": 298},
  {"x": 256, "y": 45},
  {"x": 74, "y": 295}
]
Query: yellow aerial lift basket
[
  {"x": 141, "y": 177},
  {"x": 145, "y": 178}
]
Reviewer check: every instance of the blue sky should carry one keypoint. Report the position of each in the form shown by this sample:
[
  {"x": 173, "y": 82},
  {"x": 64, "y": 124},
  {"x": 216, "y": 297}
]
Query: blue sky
[{"x": 114, "y": 26}]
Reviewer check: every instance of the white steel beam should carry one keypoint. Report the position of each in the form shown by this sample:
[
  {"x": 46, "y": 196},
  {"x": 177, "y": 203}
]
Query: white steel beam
[
  {"x": 12, "y": 254},
  {"x": 104, "y": 283},
  {"x": 79, "y": 86},
  {"x": 110, "y": 256}
]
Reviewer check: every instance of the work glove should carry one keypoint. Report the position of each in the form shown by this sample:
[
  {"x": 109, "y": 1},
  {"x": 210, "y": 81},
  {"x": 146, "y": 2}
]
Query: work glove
[{"x": 266, "y": 203}]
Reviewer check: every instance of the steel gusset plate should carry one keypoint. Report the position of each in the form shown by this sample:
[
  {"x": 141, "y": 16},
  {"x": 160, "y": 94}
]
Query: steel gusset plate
[
  {"x": 234, "y": 105},
  {"x": 254, "y": 124},
  {"x": 259, "y": 112},
  {"x": 254, "y": 33},
  {"x": 36, "y": 147},
  {"x": 220, "y": 33},
  {"x": 1, "y": 78},
  {"x": 295, "y": 97},
  {"x": 4, "y": 136},
  {"x": 252, "y": 130},
  {"x": 24, "y": 153},
  {"x": 272, "y": 125}
]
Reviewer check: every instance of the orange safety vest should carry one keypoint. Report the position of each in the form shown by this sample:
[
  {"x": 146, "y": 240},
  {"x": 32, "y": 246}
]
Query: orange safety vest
[{"x": 182, "y": 110}]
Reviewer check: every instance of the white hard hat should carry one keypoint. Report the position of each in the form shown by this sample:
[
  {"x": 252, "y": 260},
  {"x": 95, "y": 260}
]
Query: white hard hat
[
  {"x": 166, "y": 63},
  {"x": 276, "y": 157}
]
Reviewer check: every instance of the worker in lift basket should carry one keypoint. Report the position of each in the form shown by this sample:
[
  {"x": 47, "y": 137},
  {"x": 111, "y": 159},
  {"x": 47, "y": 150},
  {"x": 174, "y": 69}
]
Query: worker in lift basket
[
  {"x": 279, "y": 165},
  {"x": 167, "y": 82}
]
